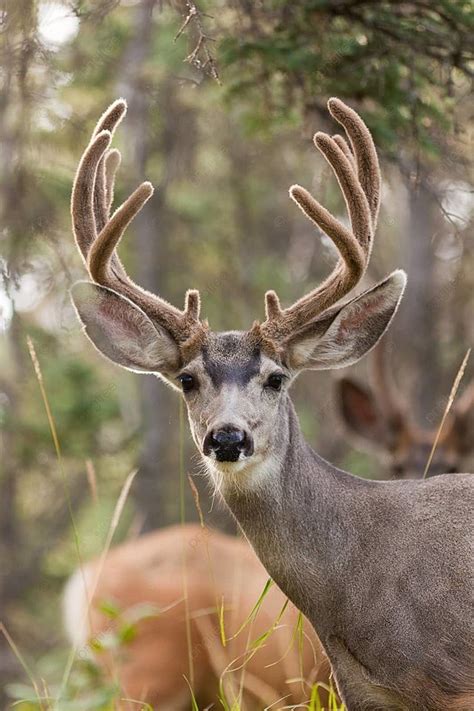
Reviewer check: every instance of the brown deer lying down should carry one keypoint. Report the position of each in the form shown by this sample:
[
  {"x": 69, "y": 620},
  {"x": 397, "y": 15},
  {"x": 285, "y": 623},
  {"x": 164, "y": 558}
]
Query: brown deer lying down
[
  {"x": 380, "y": 419},
  {"x": 219, "y": 569},
  {"x": 384, "y": 571}
]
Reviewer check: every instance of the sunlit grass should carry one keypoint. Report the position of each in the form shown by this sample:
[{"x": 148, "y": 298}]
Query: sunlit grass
[
  {"x": 333, "y": 702},
  {"x": 88, "y": 689}
]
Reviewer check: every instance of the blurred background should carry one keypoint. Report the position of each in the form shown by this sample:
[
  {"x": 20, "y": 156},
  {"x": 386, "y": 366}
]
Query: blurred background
[{"x": 220, "y": 120}]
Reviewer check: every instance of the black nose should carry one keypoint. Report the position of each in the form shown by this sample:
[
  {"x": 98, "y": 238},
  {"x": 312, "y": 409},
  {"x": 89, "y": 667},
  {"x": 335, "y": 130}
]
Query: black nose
[{"x": 228, "y": 442}]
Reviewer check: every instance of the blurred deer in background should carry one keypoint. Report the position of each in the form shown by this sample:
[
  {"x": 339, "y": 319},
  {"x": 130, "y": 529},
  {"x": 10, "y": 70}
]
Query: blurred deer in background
[
  {"x": 152, "y": 665},
  {"x": 381, "y": 419},
  {"x": 384, "y": 571}
]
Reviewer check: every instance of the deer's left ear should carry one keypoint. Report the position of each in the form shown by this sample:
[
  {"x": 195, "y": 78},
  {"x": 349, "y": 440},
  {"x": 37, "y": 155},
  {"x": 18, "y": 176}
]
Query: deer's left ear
[
  {"x": 342, "y": 335},
  {"x": 122, "y": 332}
]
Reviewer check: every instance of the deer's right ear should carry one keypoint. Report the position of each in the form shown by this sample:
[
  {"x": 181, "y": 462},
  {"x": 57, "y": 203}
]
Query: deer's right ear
[{"x": 122, "y": 332}]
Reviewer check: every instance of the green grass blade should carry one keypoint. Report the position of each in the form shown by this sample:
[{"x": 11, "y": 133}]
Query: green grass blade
[
  {"x": 315, "y": 701},
  {"x": 194, "y": 705},
  {"x": 222, "y": 623},
  {"x": 265, "y": 635},
  {"x": 254, "y": 611}
]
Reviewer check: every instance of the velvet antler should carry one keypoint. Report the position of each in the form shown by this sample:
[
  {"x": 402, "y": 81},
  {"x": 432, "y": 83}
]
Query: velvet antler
[
  {"x": 357, "y": 170},
  {"x": 98, "y": 233}
]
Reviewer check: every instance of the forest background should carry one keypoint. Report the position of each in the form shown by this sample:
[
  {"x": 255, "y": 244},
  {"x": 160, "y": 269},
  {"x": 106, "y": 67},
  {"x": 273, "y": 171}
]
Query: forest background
[{"x": 220, "y": 119}]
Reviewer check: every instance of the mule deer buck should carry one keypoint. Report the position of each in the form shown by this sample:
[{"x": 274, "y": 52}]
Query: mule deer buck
[
  {"x": 380, "y": 418},
  {"x": 222, "y": 572},
  {"x": 382, "y": 570}
]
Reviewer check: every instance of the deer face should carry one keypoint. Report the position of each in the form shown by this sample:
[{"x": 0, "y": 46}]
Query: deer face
[{"x": 234, "y": 392}]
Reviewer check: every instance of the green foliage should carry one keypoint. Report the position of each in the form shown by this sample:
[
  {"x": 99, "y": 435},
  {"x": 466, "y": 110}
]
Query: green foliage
[
  {"x": 315, "y": 701},
  {"x": 80, "y": 402},
  {"x": 88, "y": 690},
  {"x": 399, "y": 61}
]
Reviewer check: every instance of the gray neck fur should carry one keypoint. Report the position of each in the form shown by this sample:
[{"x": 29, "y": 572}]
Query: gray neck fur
[{"x": 371, "y": 564}]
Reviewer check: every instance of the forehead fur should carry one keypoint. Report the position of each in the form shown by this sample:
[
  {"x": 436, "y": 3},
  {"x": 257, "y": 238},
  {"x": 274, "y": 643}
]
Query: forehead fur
[
  {"x": 237, "y": 346},
  {"x": 232, "y": 356}
]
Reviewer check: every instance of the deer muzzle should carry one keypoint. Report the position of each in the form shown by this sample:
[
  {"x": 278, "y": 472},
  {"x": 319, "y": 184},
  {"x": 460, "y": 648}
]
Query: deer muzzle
[{"x": 228, "y": 444}]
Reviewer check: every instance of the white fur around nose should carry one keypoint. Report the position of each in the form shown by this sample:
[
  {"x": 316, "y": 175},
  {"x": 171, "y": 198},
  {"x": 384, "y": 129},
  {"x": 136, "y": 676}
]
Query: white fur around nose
[
  {"x": 248, "y": 473},
  {"x": 233, "y": 409}
]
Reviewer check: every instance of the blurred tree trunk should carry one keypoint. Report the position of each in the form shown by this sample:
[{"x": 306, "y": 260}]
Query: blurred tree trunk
[
  {"x": 419, "y": 310},
  {"x": 156, "y": 467},
  {"x": 10, "y": 538}
]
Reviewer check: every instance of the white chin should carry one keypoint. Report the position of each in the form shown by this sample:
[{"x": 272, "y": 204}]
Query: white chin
[
  {"x": 231, "y": 467},
  {"x": 245, "y": 473}
]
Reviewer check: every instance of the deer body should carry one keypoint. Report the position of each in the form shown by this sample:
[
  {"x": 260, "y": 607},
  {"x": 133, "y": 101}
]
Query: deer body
[
  {"x": 220, "y": 570},
  {"x": 356, "y": 557},
  {"x": 384, "y": 571}
]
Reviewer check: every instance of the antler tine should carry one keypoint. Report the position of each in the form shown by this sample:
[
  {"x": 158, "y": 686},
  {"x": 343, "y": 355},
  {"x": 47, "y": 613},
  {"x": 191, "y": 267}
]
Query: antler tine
[
  {"x": 103, "y": 199},
  {"x": 345, "y": 148},
  {"x": 109, "y": 121},
  {"x": 91, "y": 178},
  {"x": 354, "y": 196},
  {"x": 354, "y": 245},
  {"x": 97, "y": 234},
  {"x": 83, "y": 199},
  {"x": 368, "y": 168},
  {"x": 103, "y": 248},
  {"x": 112, "y": 164}
]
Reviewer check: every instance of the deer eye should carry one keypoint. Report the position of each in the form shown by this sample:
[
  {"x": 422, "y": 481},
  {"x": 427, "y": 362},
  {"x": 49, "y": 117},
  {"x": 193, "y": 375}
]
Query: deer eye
[
  {"x": 274, "y": 381},
  {"x": 188, "y": 382}
]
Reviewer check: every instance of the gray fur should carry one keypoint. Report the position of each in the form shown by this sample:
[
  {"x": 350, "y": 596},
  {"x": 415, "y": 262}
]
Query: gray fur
[
  {"x": 223, "y": 368},
  {"x": 383, "y": 570}
]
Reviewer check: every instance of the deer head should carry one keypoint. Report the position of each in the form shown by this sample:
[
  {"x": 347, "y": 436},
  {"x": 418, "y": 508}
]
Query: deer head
[
  {"x": 234, "y": 383},
  {"x": 381, "y": 419}
]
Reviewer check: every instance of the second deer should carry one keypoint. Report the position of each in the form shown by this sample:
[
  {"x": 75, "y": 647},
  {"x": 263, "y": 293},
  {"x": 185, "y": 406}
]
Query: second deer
[
  {"x": 380, "y": 418},
  {"x": 164, "y": 579}
]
